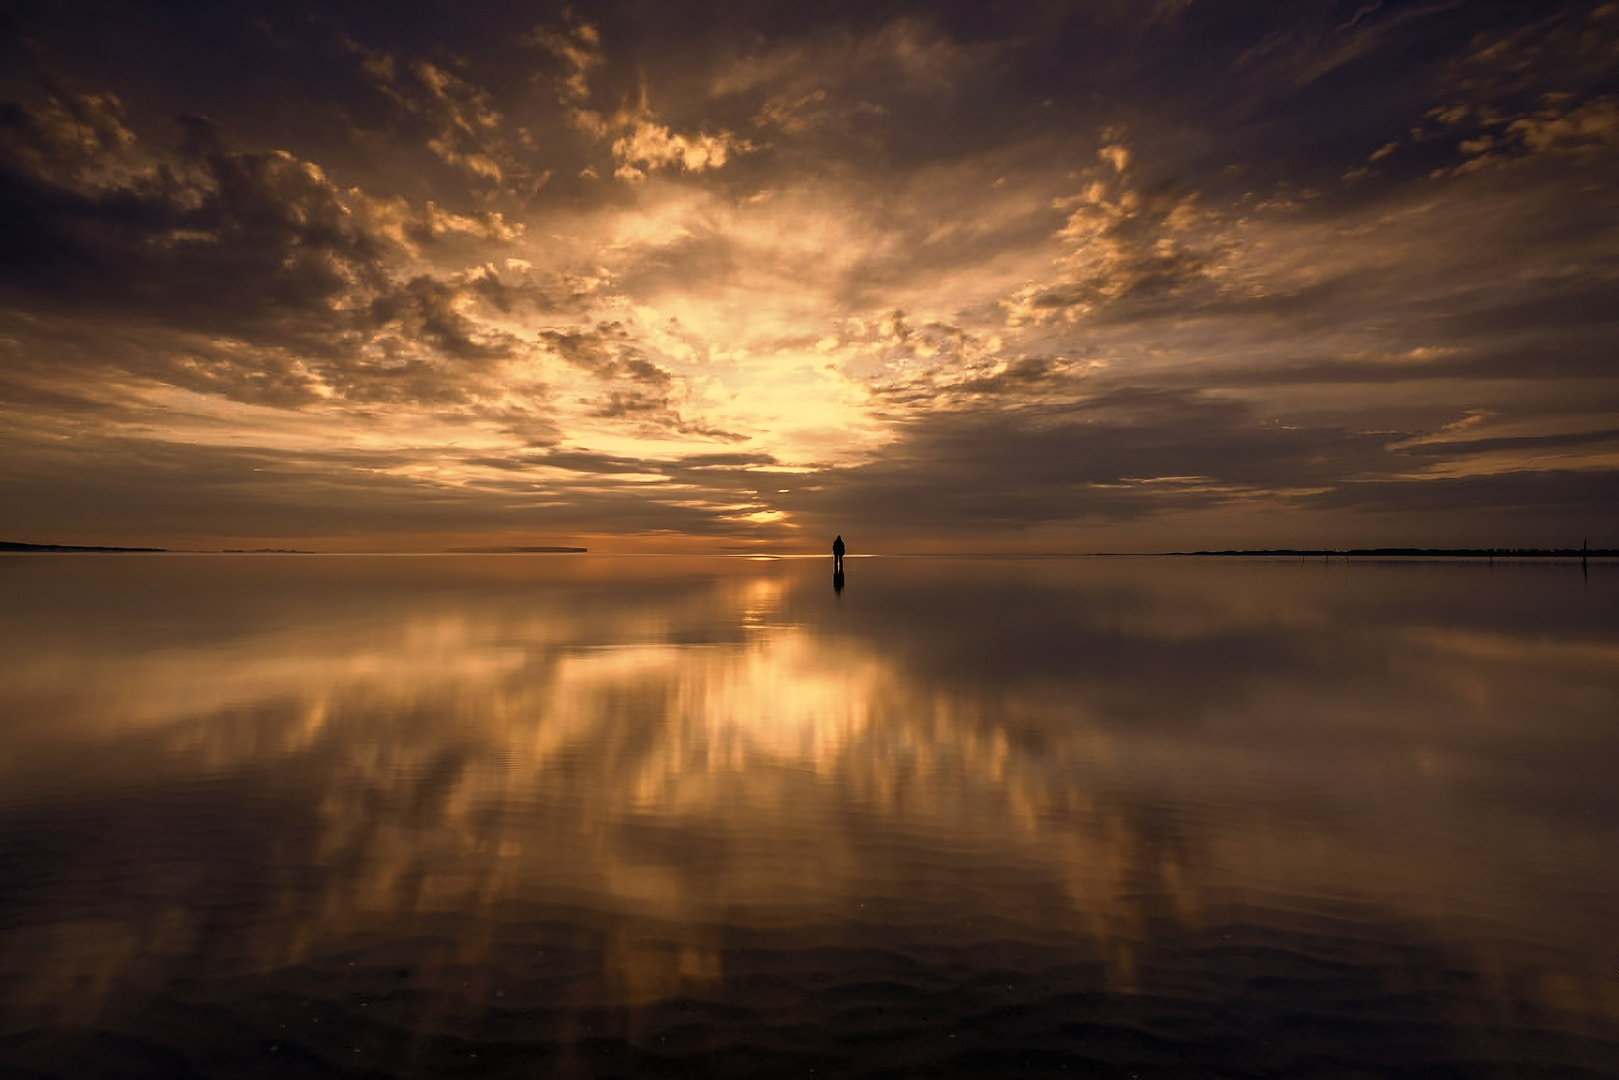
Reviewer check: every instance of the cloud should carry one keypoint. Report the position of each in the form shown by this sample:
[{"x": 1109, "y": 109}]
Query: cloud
[
  {"x": 247, "y": 274},
  {"x": 426, "y": 309},
  {"x": 907, "y": 55},
  {"x": 464, "y": 128},
  {"x": 648, "y": 145},
  {"x": 640, "y": 143},
  {"x": 414, "y": 228},
  {"x": 72, "y": 137},
  {"x": 1017, "y": 274},
  {"x": 1130, "y": 453},
  {"x": 1121, "y": 243},
  {"x": 1569, "y": 501},
  {"x": 577, "y": 46},
  {"x": 633, "y": 387},
  {"x": 1587, "y": 130},
  {"x": 209, "y": 238},
  {"x": 1534, "y": 87}
]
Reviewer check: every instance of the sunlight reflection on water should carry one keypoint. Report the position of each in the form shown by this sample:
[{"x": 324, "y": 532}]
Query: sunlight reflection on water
[{"x": 559, "y": 810}]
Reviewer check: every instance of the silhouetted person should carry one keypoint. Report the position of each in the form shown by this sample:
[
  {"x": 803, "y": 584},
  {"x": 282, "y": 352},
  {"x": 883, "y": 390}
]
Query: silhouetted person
[{"x": 837, "y": 555}]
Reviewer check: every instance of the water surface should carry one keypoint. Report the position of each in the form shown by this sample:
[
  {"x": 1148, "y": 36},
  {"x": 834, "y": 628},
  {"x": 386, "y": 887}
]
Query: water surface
[{"x": 595, "y": 816}]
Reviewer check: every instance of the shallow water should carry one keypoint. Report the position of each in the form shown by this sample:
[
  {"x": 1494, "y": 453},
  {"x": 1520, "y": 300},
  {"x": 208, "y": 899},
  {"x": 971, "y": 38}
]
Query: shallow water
[{"x": 595, "y": 816}]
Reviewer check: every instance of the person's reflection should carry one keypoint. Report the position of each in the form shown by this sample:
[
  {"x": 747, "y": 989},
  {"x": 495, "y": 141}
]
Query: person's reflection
[{"x": 837, "y": 582}]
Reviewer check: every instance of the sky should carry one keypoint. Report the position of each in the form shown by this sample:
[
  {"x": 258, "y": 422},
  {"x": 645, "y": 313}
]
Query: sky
[{"x": 683, "y": 276}]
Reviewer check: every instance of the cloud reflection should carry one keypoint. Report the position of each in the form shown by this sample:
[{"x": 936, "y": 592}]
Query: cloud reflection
[{"x": 672, "y": 750}]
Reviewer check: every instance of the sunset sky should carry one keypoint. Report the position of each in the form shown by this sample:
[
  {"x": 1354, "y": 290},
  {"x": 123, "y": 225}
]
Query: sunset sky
[{"x": 1087, "y": 276}]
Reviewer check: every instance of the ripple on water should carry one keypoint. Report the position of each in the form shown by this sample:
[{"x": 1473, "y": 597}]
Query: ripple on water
[{"x": 1245, "y": 997}]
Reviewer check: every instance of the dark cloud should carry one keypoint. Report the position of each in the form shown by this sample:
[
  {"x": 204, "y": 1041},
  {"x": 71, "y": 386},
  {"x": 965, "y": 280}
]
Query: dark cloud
[
  {"x": 251, "y": 274},
  {"x": 1128, "y": 454},
  {"x": 424, "y": 309},
  {"x": 937, "y": 268},
  {"x": 1549, "y": 502},
  {"x": 212, "y": 492},
  {"x": 1518, "y": 442},
  {"x": 206, "y": 239}
]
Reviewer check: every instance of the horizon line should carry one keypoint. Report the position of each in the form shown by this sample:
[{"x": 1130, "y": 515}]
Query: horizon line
[{"x": 18, "y": 547}]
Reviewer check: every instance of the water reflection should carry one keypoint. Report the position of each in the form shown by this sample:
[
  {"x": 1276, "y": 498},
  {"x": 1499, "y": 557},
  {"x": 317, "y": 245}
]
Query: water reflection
[{"x": 589, "y": 802}]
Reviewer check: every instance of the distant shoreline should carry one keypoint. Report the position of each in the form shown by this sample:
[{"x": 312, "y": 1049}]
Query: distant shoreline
[
  {"x": 1425, "y": 553},
  {"x": 50, "y": 549},
  {"x": 57, "y": 549},
  {"x": 11, "y": 545}
]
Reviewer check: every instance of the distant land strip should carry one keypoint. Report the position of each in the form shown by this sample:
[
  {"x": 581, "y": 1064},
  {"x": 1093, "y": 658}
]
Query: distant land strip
[
  {"x": 1426, "y": 553},
  {"x": 12, "y": 545},
  {"x": 518, "y": 551}
]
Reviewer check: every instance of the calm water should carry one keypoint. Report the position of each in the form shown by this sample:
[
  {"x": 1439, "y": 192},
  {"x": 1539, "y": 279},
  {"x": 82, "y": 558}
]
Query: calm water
[{"x": 593, "y": 816}]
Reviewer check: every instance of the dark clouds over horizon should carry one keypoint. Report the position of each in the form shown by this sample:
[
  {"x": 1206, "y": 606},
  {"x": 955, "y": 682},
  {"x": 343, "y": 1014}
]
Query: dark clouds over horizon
[{"x": 1035, "y": 276}]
